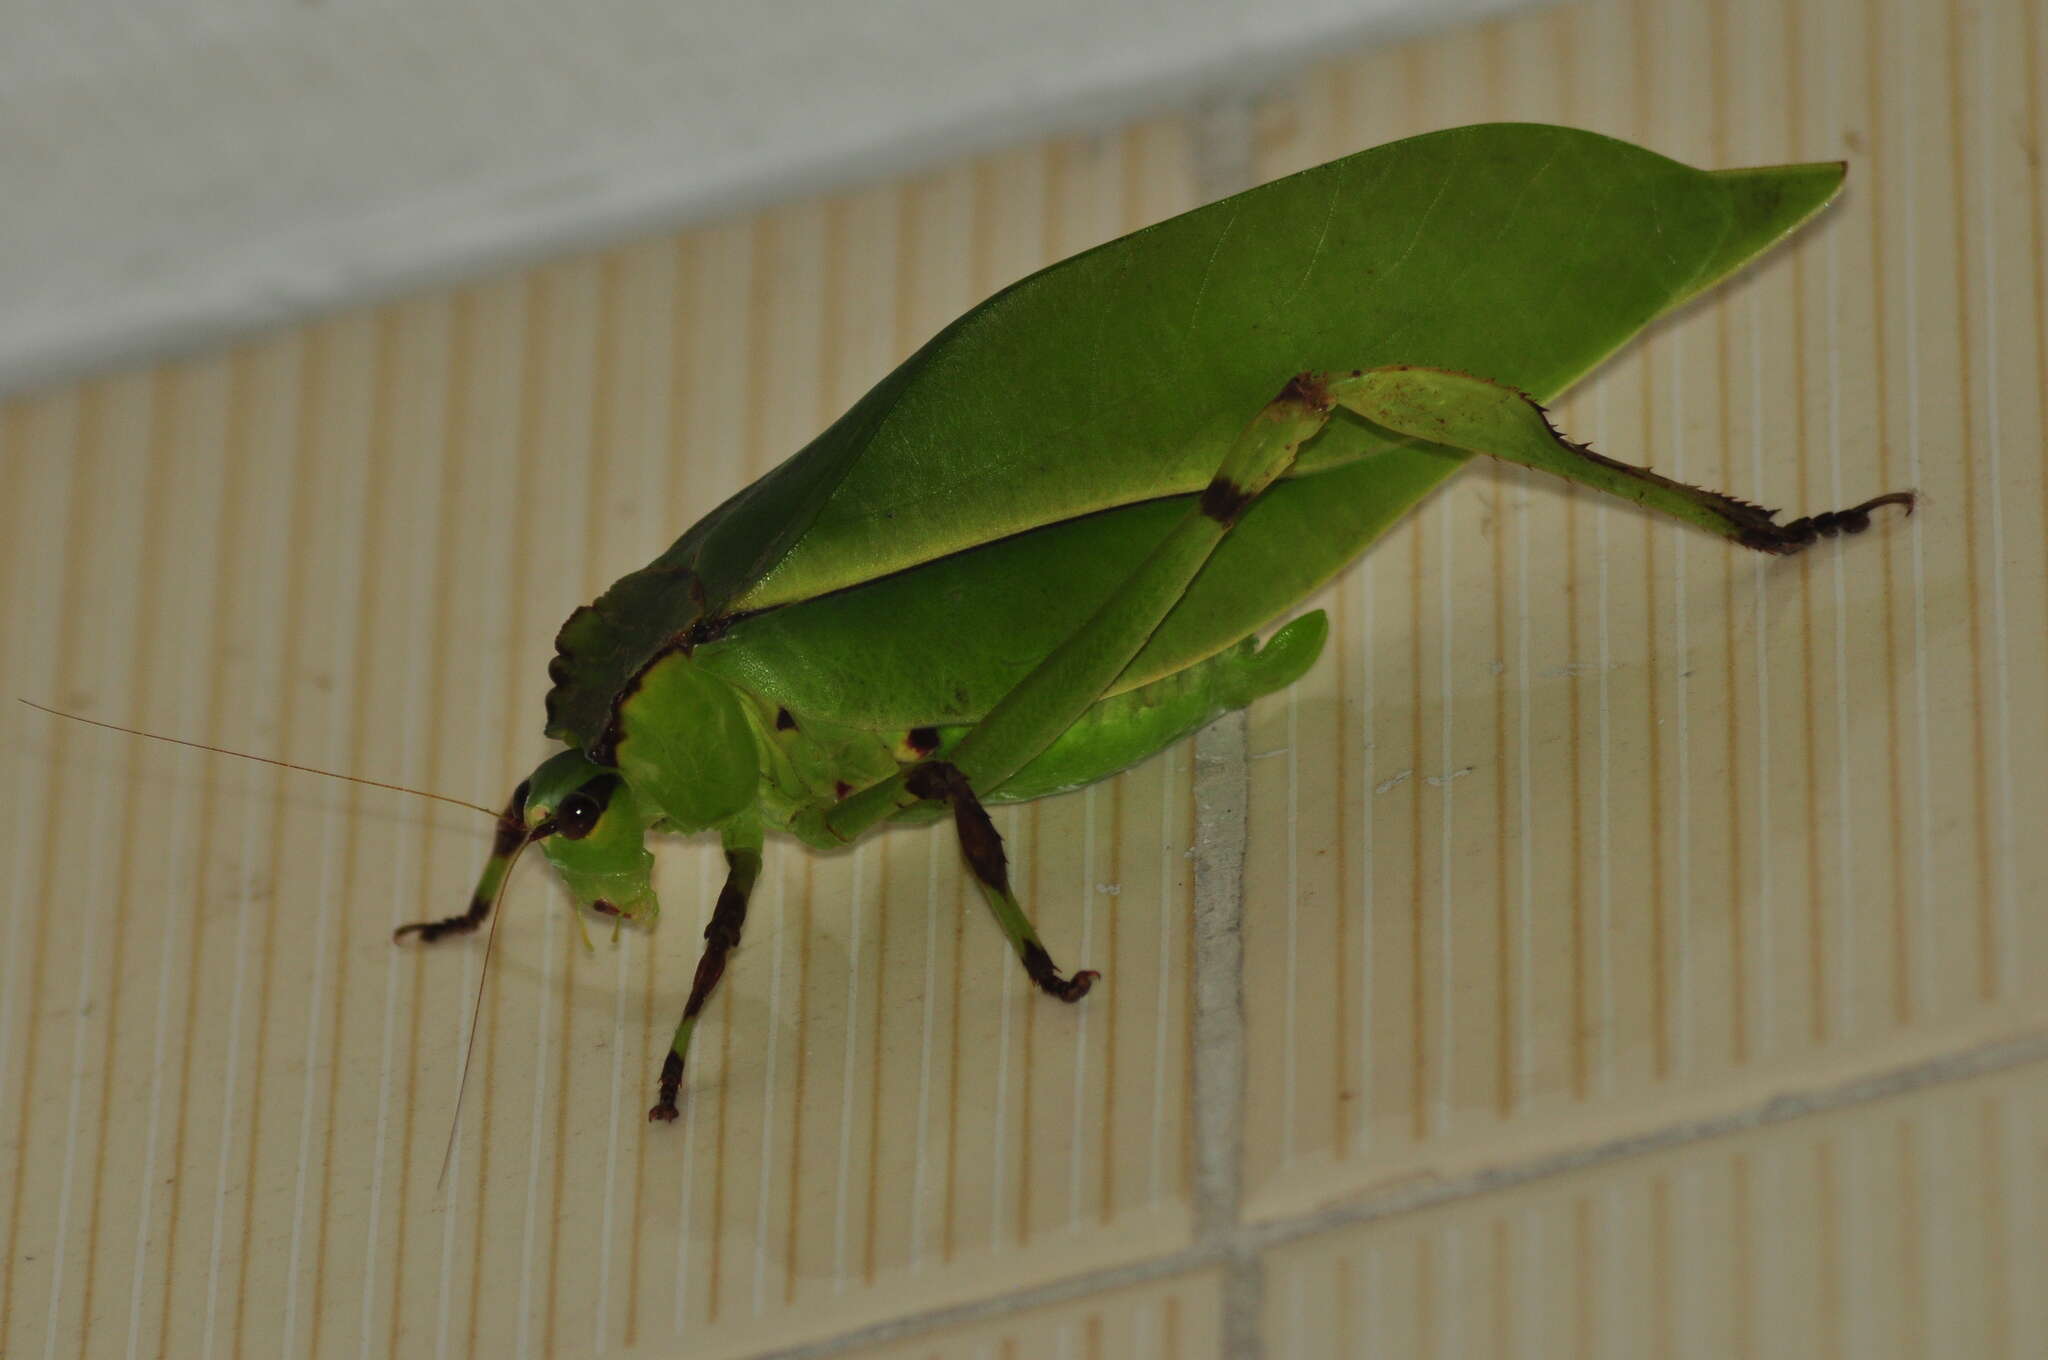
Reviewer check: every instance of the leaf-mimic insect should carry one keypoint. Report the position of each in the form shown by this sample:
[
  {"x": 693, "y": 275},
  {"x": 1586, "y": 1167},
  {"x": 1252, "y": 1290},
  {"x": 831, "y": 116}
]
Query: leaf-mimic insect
[{"x": 1038, "y": 551}]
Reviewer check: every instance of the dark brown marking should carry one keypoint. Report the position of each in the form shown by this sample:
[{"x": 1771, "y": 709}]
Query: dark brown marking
[
  {"x": 511, "y": 827},
  {"x": 706, "y": 630},
  {"x": 604, "y": 908},
  {"x": 1310, "y": 389},
  {"x": 979, "y": 839},
  {"x": 934, "y": 779},
  {"x": 840, "y": 788},
  {"x": 783, "y": 722},
  {"x": 923, "y": 740},
  {"x": 430, "y": 931},
  {"x": 1224, "y": 500},
  {"x": 981, "y": 842},
  {"x": 605, "y": 750}
]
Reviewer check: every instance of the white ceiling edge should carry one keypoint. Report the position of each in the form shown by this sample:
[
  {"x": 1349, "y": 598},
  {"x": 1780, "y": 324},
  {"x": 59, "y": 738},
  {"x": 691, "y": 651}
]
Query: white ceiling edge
[{"x": 183, "y": 173}]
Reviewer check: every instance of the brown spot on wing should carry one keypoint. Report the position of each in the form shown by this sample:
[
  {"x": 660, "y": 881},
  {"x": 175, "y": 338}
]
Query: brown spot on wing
[{"x": 1224, "y": 500}]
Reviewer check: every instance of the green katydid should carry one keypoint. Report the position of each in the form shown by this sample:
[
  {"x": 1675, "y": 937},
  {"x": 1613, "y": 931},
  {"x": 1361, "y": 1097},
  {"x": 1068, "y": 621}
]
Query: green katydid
[{"x": 1038, "y": 551}]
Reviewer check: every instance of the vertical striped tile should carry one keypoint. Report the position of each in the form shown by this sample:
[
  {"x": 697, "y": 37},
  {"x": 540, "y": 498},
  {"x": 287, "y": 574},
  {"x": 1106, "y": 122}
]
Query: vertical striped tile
[
  {"x": 1172, "y": 1319},
  {"x": 1887, "y": 1230},
  {"x": 1584, "y": 827},
  {"x": 348, "y": 547},
  {"x": 1594, "y": 825}
]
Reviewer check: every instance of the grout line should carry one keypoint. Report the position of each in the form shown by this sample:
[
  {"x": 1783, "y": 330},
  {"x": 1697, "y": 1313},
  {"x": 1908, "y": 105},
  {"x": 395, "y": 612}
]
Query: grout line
[
  {"x": 2005, "y": 894},
  {"x": 1224, "y": 163},
  {"x": 699, "y": 923},
  {"x": 1244, "y": 1242},
  {"x": 1076, "y": 1156},
  {"x": 1222, "y": 788}
]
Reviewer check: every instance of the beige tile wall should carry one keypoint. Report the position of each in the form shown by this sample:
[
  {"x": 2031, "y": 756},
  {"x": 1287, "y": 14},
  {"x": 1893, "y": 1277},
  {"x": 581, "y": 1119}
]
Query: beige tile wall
[
  {"x": 1619, "y": 826},
  {"x": 1911, "y": 1226},
  {"x": 1175, "y": 1317},
  {"x": 1587, "y": 836}
]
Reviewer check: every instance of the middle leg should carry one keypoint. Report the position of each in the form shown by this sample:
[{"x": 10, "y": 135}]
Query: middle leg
[
  {"x": 1075, "y": 675},
  {"x": 983, "y": 846}
]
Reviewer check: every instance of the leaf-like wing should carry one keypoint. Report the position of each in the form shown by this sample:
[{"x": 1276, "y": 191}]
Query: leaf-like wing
[{"x": 1519, "y": 252}]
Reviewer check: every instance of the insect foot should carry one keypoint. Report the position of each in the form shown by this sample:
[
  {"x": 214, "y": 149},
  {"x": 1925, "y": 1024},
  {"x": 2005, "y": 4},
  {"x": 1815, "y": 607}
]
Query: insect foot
[
  {"x": 430, "y": 931},
  {"x": 664, "y": 1111},
  {"x": 1798, "y": 534},
  {"x": 1039, "y": 965}
]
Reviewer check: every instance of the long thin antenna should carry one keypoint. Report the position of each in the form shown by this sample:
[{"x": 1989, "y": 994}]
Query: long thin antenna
[
  {"x": 264, "y": 760},
  {"x": 477, "y": 1010}
]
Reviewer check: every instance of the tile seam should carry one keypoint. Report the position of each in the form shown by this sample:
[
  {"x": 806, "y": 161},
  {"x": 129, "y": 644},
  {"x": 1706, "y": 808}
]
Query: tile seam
[
  {"x": 1247, "y": 1241},
  {"x": 1225, "y": 156}
]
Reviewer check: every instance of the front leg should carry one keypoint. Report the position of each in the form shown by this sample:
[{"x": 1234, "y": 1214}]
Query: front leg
[
  {"x": 721, "y": 937},
  {"x": 512, "y": 835}
]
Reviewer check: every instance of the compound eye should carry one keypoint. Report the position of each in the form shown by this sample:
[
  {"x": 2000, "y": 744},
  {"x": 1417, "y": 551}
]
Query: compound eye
[
  {"x": 579, "y": 812},
  {"x": 576, "y": 816}
]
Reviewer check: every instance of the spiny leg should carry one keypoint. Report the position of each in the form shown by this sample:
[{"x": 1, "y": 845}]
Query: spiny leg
[
  {"x": 721, "y": 937},
  {"x": 1465, "y": 412},
  {"x": 511, "y": 834},
  {"x": 1437, "y": 406},
  {"x": 1434, "y": 405},
  {"x": 983, "y": 847}
]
